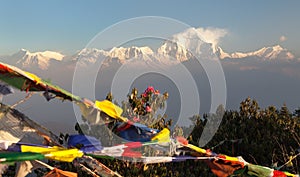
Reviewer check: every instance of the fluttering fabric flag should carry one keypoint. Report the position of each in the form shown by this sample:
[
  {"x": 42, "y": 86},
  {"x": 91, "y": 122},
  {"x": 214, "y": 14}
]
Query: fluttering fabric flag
[
  {"x": 123, "y": 150},
  {"x": 5, "y": 90},
  {"x": 8, "y": 157},
  {"x": 134, "y": 131},
  {"x": 67, "y": 155},
  {"x": 197, "y": 149},
  {"x": 84, "y": 143},
  {"x": 224, "y": 168},
  {"x": 15, "y": 126},
  {"x": 11, "y": 127},
  {"x": 223, "y": 165},
  {"x": 90, "y": 113},
  {"x": 60, "y": 173},
  {"x": 261, "y": 171},
  {"x": 26, "y": 81},
  {"x": 277, "y": 173},
  {"x": 290, "y": 174},
  {"x": 110, "y": 109},
  {"x": 257, "y": 170},
  {"x": 54, "y": 153},
  {"x": 100, "y": 112},
  {"x": 163, "y": 136},
  {"x": 5, "y": 144},
  {"x": 166, "y": 159}
]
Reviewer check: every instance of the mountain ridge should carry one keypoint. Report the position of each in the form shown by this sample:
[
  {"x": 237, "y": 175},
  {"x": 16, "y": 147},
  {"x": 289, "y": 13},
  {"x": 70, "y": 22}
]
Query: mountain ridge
[
  {"x": 168, "y": 52},
  {"x": 26, "y": 59}
]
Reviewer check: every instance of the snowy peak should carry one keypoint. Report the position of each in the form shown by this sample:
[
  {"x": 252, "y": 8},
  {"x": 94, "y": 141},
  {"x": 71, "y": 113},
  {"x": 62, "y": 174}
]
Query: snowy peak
[
  {"x": 40, "y": 59},
  {"x": 89, "y": 55},
  {"x": 173, "y": 51},
  {"x": 221, "y": 54},
  {"x": 46, "y": 55},
  {"x": 266, "y": 53},
  {"x": 120, "y": 53},
  {"x": 181, "y": 46},
  {"x": 130, "y": 53},
  {"x": 188, "y": 45},
  {"x": 275, "y": 52},
  {"x": 91, "y": 52}
]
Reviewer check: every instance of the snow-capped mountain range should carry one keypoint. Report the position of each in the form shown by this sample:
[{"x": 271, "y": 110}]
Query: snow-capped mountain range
[
  {"x": 24, "y": 58},
  {"x": 168, "y": 52},
  {"x": 265, "y": 53}
]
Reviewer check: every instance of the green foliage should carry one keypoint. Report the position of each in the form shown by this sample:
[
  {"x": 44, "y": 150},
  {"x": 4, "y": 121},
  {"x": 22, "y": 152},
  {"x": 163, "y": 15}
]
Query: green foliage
[{"x": 265, "y": 137}]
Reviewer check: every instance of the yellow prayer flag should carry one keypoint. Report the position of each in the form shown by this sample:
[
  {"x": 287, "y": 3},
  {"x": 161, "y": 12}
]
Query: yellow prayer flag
[
  {"x": 33, "y": 77},
  {"x": 55, "y": 152},
  {"x": 162, "y": 136},
  {"x": 65, "y": 155},
  {"x": 38, "y": 149},
  {"x": 197, "y": 149},
  {"x": 235, "y": 159},
  {"x": 110, "y": 109}
]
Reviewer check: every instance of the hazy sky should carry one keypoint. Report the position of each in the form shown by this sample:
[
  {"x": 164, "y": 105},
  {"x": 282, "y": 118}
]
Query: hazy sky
[{"x": 67, "y": 26}]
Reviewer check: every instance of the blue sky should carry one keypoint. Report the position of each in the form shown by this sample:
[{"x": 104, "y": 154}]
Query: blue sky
[{"x": 67, "y": 26}]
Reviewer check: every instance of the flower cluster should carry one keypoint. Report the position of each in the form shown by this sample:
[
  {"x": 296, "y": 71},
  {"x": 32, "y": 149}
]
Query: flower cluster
[
  {"x": 147, "y": 98},
  {"x": 145, "y": 103}
]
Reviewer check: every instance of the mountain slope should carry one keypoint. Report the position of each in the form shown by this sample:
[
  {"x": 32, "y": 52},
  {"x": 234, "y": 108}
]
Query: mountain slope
[
  {"x": 266, "y": 53},
  {"x": 42, "y": 60}
]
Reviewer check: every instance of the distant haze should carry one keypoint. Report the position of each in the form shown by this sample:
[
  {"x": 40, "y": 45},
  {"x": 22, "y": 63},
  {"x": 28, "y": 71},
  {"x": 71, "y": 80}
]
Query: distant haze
[{"x": 270, "y": 75}]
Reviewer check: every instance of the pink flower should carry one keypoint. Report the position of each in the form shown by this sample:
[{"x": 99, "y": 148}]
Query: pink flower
[
  {"x": 148, "y": 109},
  {"x": 136, "y": 119},
  {"x": 150, "y": 89},
  {"x": 144, "y": 95}
]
